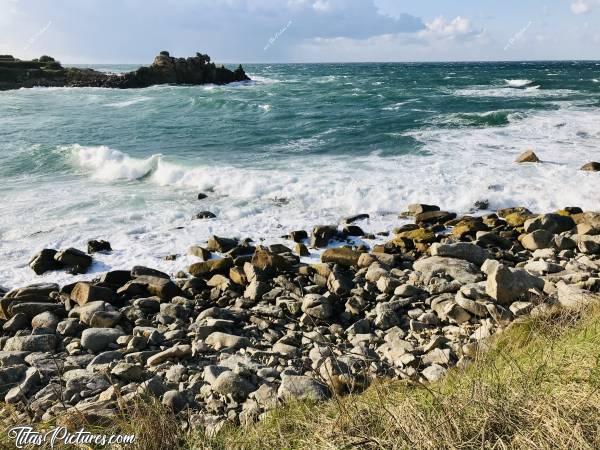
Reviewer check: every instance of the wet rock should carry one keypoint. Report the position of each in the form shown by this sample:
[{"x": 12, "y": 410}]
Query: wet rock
[
  {"x": 341, "y": 255},
  {"x": 142, "y": 271},
  {"x": 45, "y": 261},
  {"x": 554, "y": 223},
  {"x": 211, "y": 267},
  {"x": 200, "y": 252},
  {"x": 418, "y": 208},
  {"x": 75, "y": 259},
  {"x": 84, "y": 293},
  {"x": 115, "y": 278},
  {"x": 298, "y": 235},
  {"x": 591, "y": 167},
  {"x": 420, "y": 235},
  {"x": 205, "y": 215},
  {"x": 321, "y": 235},
  {"x": 301, "y": 249},
  {"x": 95, "y": 246},
  {"x": 153, "y": 285},
  {"x": 269, "y": 262},
  {"x": 220, "y": 244},
  {"x": 491, "y": 239},
  {"x": 528, "y": 156},
  {"x": 355, "y": 218},
  {"x": 433, "y": 217}
]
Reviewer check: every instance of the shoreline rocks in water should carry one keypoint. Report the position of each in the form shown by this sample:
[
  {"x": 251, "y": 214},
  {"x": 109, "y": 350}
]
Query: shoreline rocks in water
[
  {"x": 252, "y": 326},
  {"x": 47, "y": 72}
]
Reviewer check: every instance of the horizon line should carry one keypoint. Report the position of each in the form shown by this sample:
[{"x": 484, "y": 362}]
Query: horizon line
[{"x": 363, "y": 62}]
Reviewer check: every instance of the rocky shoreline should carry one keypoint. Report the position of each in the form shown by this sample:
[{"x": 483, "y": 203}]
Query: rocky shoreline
[
  {"x": 248, "y": 327},
  {"x": 47, "y": 72}
]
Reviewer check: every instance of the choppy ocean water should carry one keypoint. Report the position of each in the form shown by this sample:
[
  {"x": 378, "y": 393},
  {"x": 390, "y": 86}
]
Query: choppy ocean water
[{"x": 300, "y": 145}]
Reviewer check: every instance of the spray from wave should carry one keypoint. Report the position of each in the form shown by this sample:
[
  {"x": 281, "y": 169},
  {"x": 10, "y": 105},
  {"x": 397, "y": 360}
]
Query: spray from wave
[
  {"x": 518, "y": 83},
  {"x": 108, "y": 164}
]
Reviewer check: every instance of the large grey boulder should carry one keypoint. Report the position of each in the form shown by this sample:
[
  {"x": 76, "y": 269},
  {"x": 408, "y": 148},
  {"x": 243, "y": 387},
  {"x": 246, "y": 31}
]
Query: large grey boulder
[
  {"x": 33, "y": 343},
  {"x": 554, "y": 223},
  {"x": 230, "y": 383},
  {"x": 99, "y": 339},
  {"x": 302, "y": 387},
  {"x": 573, "y": 297},
  {"x": 219, "y": 340},
  {"x": 537, "y": 239},
  {"x": 459, "y": 269},
  {"x": 507, "y": 285},
  {"x": 317, "y": 306},
  {"x": 461, "y": 250}
]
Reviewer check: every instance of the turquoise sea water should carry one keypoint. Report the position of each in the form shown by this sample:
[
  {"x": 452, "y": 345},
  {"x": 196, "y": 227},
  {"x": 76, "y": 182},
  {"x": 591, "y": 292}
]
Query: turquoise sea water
[{"x": 297, "y": 146}]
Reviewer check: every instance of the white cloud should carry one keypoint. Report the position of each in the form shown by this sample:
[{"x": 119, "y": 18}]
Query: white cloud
[
  {"x": 322, "y": 6},
  {"x": 440, "y": 37},
  {"x": 583, "y": 6},
  {"x": 440, "y": 28}
]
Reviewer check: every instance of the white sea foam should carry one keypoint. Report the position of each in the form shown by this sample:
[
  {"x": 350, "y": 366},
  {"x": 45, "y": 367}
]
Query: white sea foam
[
  {"x": 109, "y": 165},
  {"x": 534, "y": 91},
  {"x": 143, "y": 206},
  {"x": 518, "y": 83},
  {"x": 126, "y": 103},
  {"x": 265, "y": 107}
]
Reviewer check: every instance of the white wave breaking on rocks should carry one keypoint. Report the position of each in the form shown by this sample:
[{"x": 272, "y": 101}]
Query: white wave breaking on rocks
[{"x": 144, "y": 206}]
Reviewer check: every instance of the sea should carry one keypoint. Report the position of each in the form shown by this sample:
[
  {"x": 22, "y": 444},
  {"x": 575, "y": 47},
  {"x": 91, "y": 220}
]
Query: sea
[{"x": 299, "y": 145}]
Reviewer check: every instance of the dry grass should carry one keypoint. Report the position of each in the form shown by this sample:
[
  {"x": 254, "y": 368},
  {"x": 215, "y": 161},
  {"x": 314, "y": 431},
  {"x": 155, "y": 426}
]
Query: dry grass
[{"x": 537, "y": 388}]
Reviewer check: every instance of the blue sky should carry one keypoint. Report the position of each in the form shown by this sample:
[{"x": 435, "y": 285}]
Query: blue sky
[{"x": 133, "y": 31}]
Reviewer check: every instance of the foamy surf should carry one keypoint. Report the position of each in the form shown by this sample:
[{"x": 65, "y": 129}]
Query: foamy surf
[
  {"x": 107, "y": 164},
  {"x": 518, "y": 83}
]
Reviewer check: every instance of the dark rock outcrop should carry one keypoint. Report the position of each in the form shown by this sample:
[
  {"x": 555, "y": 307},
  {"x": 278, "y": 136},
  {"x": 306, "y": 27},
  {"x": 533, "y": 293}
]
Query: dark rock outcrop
[{"x": 165, "y": 69}]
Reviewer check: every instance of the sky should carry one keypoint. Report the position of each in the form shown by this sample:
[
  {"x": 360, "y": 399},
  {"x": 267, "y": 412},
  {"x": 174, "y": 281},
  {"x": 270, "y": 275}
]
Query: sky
[{"x": 232, "y": 31}]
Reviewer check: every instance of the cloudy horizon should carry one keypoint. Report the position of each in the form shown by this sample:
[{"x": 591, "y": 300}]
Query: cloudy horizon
[{"x": 270, "y": 31}]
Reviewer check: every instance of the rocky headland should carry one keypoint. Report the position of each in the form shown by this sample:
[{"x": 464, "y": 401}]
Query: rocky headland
[
  {"x": 249, "y": 327},
  {"x": 47, "y": 72}
]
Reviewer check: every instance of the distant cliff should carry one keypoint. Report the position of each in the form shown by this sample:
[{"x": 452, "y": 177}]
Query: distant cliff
[{"x": 165, "y": 69}]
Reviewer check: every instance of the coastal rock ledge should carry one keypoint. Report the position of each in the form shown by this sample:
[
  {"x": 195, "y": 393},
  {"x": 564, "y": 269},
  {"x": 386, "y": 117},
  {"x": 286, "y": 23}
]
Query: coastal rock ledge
[{"x": 47, "y": 72}]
